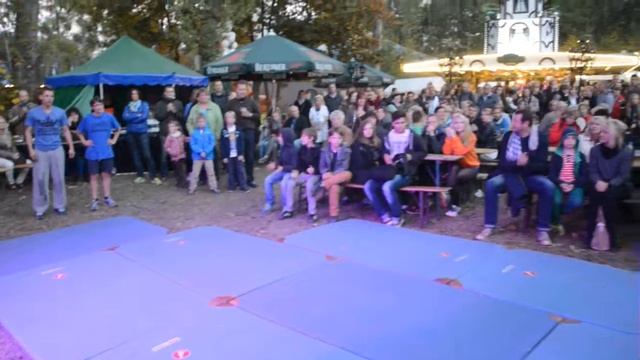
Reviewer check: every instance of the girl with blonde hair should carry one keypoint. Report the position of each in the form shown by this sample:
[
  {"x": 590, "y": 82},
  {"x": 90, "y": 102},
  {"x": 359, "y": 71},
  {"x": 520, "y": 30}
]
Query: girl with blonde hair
[{"x": 460, "y": 141}]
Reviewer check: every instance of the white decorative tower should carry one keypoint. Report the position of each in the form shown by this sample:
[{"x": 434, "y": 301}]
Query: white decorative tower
[{"x": 522, "y": 26}]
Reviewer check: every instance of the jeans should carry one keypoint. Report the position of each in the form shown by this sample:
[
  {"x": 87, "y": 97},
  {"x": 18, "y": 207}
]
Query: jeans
[
  {"x": 564, "y": 203},
  {"x": 140, "y": 142},
  {"x": 289, "y": 185},
  {"x": 271, "y": 180},
  {"x": 236, "y": 178},
  {"x": 538, "y": 184},
  {"x": 249, "y": 152},
  {"x": 390, "y": 204},
  {"x": 76, "y": 167}
]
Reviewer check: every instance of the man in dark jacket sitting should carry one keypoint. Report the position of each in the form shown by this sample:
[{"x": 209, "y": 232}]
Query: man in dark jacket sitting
[
  {"x": 522, "y": 168},
  {"x": 295, "y": 121}
]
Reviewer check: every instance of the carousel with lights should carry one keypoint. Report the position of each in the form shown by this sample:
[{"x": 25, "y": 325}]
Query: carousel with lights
[{"x": 521, "y": 42}]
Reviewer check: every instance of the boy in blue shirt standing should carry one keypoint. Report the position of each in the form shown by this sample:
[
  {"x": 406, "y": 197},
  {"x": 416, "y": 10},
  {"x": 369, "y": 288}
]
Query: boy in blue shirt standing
[
  {"x": 202, "y": 152},
  {"x": 47, "y": 122},
  {"x": 95, "y": 132}
]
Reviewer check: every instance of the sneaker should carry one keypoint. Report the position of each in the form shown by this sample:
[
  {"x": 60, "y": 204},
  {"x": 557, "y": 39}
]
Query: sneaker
[
  {"x": 412, "y": 210},
  {"x": 156, "y": 181},
  {"x": 479, "y": 194},
  {"x": 333, "y": 219},
  {"x": 40, "y": 216},
  {"x": 543, "y": 238},
  {"x": 61, "y": 211},
  {"x": 451, "y": 213},
  {"x": 110, "y": 202},
  {"x": 139, "y": 180},
  {"x": 484, "y": 234},
  {"x": 285, "y": 215},
  {"x": 94, "y": 205},
  {"x": 252, "y": 185},
  {"x": 215, "y": 191},
  {"x": 558, "y": 229},
  {"x": 245, "y": 189},
  {"x": 12, "y": 187},
  {"x": 313, "y": 218},
  {"x": 385, "y": 219},
  {"x": 267, "y": 208},
  {"x": 231, "y": 190},
  {"x": 397, "y": 222}
]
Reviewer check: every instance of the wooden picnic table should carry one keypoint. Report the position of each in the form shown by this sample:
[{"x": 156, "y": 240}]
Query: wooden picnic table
[
  {"x": 483, "y": 151},
  {"x": 439, "y": 158}
]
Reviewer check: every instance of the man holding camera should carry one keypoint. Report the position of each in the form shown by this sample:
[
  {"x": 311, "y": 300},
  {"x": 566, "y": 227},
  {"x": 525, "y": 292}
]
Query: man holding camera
[{"x": 404, "y": 151}]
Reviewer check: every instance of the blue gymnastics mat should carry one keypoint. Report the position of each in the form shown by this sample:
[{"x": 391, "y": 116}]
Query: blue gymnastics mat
[
  {"x": 217, "y": 262},
  {"x": 383, "y": 315},
  {"x": 65, "y": 243},
  {"x": 401, "y": 250},
  {"x": 572, "y": 288},
  {"x": 226, "y": 333},
  {"x": 89, "y": 304},
  {"x": 587, "y": 342}
]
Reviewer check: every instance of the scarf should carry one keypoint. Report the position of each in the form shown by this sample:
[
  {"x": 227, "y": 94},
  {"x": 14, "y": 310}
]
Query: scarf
[
  {"x": 514, "y": 147},
  {"x": 135, "y": 105}
]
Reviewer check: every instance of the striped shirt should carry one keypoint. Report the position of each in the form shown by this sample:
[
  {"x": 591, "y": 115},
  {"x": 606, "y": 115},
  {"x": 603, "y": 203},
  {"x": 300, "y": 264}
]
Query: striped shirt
[{"x": 567, "y": 173}]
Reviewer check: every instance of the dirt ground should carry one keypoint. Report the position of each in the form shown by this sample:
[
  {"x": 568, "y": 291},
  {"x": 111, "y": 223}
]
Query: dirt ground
[
  {"x": 172, "y": 208},
  {"x": 169, "y": 207}
]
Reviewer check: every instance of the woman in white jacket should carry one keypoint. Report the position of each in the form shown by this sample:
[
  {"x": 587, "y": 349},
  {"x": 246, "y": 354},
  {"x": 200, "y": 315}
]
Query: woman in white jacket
[{"x": 319, "y": 119}]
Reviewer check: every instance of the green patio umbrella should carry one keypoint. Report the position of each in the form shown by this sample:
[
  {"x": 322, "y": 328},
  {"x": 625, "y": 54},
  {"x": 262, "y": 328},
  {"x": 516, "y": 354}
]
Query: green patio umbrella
[
  {"x": 274, "y": 57},
  {"x": 365, "y": 76}
]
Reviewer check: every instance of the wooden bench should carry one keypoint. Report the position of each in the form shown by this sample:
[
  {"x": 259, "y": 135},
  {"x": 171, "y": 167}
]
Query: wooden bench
[
  {"x": 420, "y": 190},
  {"x": 17, "y": 167}
]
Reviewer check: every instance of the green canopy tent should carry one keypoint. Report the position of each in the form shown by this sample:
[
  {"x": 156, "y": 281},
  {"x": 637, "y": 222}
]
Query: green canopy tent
[
  {"x": 273, "y": 57},
  {"x": 359, "y": 76},
  {"x": 125, "y": 63}
]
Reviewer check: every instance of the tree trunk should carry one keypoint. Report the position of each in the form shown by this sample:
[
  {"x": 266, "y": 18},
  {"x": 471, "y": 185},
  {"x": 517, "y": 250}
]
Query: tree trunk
[{"x": 26, "y": 44}]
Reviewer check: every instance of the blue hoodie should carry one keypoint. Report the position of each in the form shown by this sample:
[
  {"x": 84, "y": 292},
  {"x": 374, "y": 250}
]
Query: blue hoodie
[
  {"x": 202, "y": 140},
  {"x": 136, "y": 120}
]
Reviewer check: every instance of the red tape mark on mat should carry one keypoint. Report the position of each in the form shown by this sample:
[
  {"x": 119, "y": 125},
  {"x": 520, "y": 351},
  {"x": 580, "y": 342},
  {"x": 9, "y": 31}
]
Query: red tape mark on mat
[
  {"x": 563, "y": 320},
  {"x": 112, "y": 248},
  {"x": 529, "y": 273},
  {"x": 59, "y": 276},
  {"x": 330, "y": 258},
  {"x": 181, "y": 354},
  {"x": 444, "y": 254},
  {"x": 224, "y": 301},
  {"x": 454, "y": 283}
]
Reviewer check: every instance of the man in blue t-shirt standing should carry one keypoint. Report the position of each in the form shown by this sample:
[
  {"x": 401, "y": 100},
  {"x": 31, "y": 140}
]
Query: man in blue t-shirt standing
[
  {"x": 47, "y": 122},
  {"x": 95, "y": 132}
]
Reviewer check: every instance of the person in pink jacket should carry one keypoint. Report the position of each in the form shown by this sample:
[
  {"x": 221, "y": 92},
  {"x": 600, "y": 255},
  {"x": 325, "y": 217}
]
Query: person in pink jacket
[{"x": 174, "y": 145}]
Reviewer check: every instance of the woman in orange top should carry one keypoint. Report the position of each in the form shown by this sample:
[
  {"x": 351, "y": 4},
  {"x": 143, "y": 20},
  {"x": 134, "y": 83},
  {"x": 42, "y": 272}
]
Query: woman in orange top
[{"x": 461, "y": 141}]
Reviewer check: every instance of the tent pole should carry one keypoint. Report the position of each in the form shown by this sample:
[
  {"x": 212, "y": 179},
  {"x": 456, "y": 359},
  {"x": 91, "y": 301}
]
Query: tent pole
[
  {"x": 101, "y": 91},
  {"x": 274, "y": 98}
]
